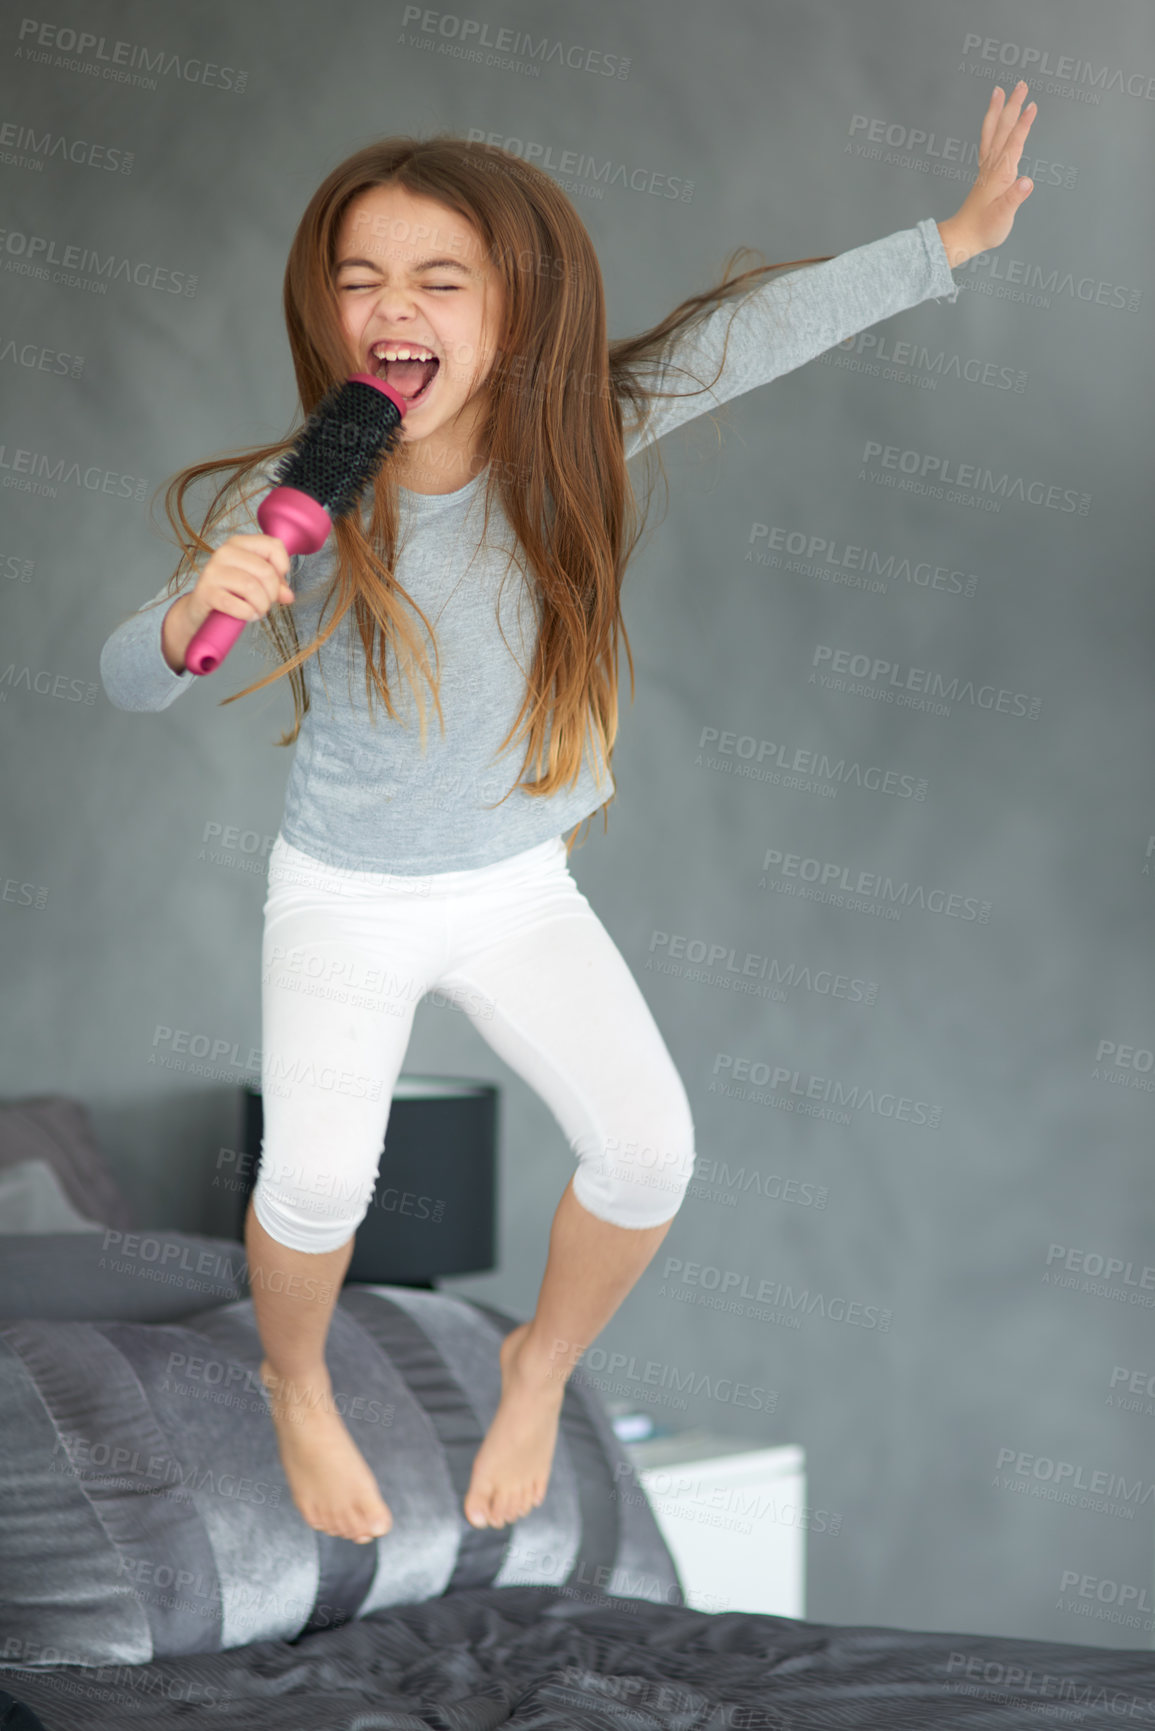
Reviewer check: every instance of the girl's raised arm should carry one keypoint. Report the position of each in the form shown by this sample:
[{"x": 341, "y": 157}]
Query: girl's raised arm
[{"x": 791, "y": 318}]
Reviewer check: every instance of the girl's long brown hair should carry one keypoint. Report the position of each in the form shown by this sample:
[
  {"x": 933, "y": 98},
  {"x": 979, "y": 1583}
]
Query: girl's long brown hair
[{"x": 553, "y": 435}]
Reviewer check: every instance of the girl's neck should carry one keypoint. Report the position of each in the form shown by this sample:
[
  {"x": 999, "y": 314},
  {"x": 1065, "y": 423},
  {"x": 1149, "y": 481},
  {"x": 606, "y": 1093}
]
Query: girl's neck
[{"x": 420, "y": 470}]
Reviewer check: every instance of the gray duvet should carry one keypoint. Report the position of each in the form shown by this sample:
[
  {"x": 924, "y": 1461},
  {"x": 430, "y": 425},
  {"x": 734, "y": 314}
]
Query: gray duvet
[{"x": 546, "y": 1657}]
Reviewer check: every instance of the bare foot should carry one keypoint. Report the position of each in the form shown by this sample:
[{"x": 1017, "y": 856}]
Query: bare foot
[
  {"x": 511, "y": 1470},
  {"x": 331, "y": 1482}
]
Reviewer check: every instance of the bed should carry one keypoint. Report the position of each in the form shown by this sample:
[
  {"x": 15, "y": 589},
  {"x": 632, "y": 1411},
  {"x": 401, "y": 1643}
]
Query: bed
[
  {"x": 157, "y": 1594},
  {"x": 535, "y": 1658}
]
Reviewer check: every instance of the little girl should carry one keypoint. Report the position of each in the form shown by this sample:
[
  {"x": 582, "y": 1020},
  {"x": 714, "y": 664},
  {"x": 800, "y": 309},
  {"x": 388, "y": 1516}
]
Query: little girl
[{"x": 404, "y": 865}]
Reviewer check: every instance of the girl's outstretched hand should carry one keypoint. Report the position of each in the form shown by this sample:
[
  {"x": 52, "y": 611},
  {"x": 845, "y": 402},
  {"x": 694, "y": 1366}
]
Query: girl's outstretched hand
[{"x": 986, "y": 216}]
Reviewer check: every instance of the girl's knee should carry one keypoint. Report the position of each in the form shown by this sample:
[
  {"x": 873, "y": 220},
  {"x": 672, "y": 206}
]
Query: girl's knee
[
  {"x": 314, "y": 1218},
  {"x": 637, "y": 1180}
]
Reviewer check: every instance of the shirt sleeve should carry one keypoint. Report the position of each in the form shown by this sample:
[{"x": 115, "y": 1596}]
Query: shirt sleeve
[
  {"x": 133, "y": 670},
  {"x": 788, "y": 320}
]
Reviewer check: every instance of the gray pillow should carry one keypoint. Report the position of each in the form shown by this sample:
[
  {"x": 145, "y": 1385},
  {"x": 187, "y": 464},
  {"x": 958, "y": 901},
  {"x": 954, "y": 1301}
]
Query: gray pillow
[
  {"x": 32, "y": 1201},
  {"x": 115, "y": 1276},
  {"x": 145, "y": 1513},
  {"x": 58, "y": 1131}
]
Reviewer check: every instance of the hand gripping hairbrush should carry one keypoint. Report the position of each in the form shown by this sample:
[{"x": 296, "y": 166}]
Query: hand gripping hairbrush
[{"x": 339, "y": 451}]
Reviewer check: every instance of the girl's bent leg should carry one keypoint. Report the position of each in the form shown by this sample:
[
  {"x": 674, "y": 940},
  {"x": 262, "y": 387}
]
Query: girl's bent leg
[
  {"x": 558, "y": 1002},
  {"x": 344, "y": 964}
]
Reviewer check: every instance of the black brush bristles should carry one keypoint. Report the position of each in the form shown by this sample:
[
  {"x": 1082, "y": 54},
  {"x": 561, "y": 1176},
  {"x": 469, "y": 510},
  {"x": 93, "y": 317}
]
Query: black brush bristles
[{"x": 342, "y": 446}]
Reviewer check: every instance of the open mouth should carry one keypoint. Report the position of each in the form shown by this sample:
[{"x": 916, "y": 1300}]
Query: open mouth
[{"x": 412, "y": 380}]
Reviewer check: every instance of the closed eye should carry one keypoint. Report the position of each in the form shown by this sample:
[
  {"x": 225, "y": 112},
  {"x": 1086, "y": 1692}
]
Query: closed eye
[{"x": 447, "y": 288}]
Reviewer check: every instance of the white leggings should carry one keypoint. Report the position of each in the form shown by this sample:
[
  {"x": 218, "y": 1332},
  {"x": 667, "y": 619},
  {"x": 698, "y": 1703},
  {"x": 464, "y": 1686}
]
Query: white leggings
[{"x": 347, "y": 955}]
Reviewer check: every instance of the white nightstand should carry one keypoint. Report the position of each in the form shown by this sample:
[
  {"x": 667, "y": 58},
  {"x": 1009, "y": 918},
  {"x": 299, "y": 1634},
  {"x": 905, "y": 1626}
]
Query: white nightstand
[{"x": 733, "y": 1516}]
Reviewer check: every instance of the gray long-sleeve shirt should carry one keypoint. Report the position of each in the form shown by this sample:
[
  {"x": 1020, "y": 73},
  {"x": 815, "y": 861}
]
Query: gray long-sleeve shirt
[{"x": 360, "y": 794}]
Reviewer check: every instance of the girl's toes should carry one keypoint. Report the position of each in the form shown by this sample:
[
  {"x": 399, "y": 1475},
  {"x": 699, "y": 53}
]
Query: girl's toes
[{"x": 476, "y": 1511}]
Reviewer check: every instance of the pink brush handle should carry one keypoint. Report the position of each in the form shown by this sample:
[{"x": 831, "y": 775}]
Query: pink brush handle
[{"x": 304, "y": 527}]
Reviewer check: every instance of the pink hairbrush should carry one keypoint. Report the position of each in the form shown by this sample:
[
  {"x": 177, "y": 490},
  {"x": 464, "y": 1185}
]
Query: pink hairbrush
[{"x": 337, "y": 454}]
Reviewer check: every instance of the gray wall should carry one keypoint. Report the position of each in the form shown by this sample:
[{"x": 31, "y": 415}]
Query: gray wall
[{"x": 982, "y": 1125}]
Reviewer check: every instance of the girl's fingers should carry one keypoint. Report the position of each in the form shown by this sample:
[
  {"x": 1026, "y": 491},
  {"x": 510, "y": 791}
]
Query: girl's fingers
[
  {"x": 1007, "y": 118},
  {"x": 1013, "y": 145},
  {"x": 1001, "y": 118},
  {"x": 990, "y": 121}
]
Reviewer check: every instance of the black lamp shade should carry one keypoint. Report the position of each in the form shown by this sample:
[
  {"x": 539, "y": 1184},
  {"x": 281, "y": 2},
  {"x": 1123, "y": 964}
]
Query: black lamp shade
[{"x": 433, "y": 1211}]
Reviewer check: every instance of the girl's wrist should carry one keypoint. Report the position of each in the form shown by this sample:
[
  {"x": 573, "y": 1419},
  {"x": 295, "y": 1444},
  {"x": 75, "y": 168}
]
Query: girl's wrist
[
  {"x": 176, "y": 633},
  {"x": 954, "y": 244}
]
